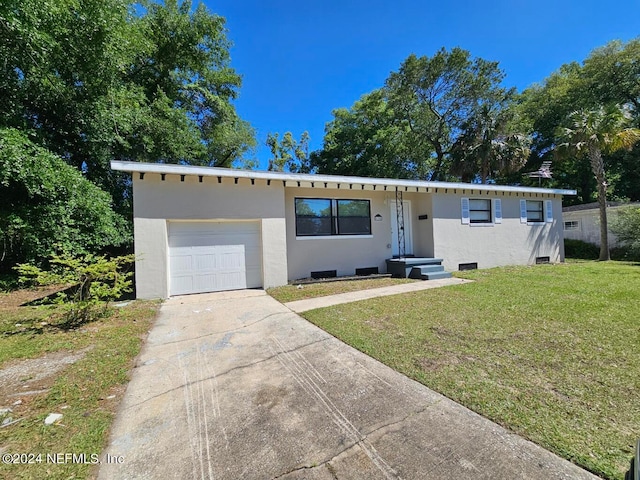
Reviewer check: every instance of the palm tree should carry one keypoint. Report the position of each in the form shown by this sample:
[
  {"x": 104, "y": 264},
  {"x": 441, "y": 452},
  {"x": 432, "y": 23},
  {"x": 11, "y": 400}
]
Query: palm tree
[
  {"x": 489, "y": 145},
  {"x": 598, "y": 131}
]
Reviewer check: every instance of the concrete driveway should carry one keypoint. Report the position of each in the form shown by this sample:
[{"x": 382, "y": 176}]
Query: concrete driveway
[{"x": 236, "y": 386}]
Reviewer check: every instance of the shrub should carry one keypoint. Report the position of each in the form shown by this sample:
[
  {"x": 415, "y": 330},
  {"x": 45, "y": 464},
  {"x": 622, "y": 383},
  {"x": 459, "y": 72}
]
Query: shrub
[
  {"x": 94, "y": 281},
  {"x": 8, "y": 282},
  {"x": 626, "y": 225},
  {"x": 580, "y": 249},
  {"x": 46, "y": 203}
]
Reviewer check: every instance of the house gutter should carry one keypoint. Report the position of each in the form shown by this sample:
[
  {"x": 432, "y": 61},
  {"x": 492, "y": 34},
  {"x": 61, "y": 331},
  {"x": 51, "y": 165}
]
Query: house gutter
[{"x": 296, "y": 179}]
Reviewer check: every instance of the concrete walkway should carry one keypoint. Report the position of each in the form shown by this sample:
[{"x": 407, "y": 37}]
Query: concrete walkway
[
  {"x": 300, "y": 306},
  {"x": 237, "y": 386}
]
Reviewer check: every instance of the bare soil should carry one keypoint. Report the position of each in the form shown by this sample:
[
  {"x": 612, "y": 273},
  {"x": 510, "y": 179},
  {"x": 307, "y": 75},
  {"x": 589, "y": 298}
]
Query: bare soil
[
  {"x": 21, "y": 381},
  {"x": 20, "y": 297}
]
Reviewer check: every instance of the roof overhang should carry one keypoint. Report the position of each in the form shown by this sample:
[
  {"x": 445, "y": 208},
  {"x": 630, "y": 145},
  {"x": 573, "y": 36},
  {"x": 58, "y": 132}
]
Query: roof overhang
[{"x": 324, "y": 181}]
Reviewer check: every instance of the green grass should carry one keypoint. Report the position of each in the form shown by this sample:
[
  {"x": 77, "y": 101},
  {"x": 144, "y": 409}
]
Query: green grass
[
  {"x": 550, "y": 352},
  {"x": 290, "y": 293},
  {"x": 83, "y": 388}
]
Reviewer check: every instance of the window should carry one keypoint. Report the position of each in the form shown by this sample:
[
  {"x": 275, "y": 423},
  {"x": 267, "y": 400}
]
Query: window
[
  {"x": 313, "y": 216},
  {"x": 572, "y": 225},
  {"x": 535, "y": 211},
  {"x": 353, "y": 217},
  {"x": 324, "y": 217},
  {"x": 479, "y": 210}
]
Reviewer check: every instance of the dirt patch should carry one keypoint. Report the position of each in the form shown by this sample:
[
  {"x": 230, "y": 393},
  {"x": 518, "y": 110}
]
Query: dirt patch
[
  {"x": 22, "y": 380},
  {"x": 434, "y": 364},
  {"x": 431, "y": 364},
  {"x": 17, "y": 298}
]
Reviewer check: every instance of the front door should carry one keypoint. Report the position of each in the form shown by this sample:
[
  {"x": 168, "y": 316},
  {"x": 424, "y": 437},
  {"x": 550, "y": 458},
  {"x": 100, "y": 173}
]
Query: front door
[{"x": 408, "y": 237}]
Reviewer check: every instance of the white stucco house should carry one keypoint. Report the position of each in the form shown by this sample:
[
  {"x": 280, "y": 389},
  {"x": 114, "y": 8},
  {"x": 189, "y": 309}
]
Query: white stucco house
[
  {"x": 200, "y": 229},
  {"x": 582, "y": 222}
]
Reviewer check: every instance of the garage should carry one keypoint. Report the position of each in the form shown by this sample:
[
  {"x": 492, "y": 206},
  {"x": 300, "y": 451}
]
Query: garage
[{"x": 214, "y": 256}]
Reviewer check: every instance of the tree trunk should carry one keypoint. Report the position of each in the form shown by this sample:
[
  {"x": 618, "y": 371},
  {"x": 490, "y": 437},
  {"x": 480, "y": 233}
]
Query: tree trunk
[
  {"x": 597, "y": 165},
  {"x": 435, "y": 174}
]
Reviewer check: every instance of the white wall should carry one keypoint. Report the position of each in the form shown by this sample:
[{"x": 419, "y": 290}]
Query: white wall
[
  {"x": 506, "y": 243},
  {"x": 589, "y": 225},
  {"x": 308, "y": 254},
  {"x": 155, "y": 202},
  {"x": 286, "y": 257}
]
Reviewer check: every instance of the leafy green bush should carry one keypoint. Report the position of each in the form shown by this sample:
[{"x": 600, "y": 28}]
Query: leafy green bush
[
  {"x": 626, "y": 225},
  {"x": 94, "y": 281},
  {"x": 580, "y": 249},
  {"x": 8, "y": 282},
  {"x": 47, "y": 205}
]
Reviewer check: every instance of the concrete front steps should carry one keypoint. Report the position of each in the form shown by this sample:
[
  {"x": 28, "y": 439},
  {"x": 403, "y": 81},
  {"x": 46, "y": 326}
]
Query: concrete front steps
[{"x": 417, "y": 267}]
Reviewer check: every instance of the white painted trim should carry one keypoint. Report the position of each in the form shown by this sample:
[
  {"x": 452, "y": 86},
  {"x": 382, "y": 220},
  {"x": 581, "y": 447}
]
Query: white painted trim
[
  {"x": 465, "y": 208},
  {"x": 320, "y": 179},
  {"x": 548, "y": 211},
  {"x": 497, "y": 207},
  {"x": 392, "y": 212},
  {"x": 327, "y": 237}
]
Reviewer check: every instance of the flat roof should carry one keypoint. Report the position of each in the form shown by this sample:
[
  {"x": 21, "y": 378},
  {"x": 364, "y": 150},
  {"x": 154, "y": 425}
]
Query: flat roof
[
  {"x": 297, "y": 178},
  {"x": 596, "y": 206}
]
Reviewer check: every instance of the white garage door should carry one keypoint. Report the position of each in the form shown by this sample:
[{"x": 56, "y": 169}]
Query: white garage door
[{"x": 214, "y": 256}]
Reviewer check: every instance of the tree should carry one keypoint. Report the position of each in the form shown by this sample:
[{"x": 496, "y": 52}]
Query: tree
[
  {"x": 490, "y": 144},
  {"x": 288, "y": 154},
  {"x": 597, "y": 131},
  {"x": 613, "y": 73},
  {"x": 408, "y": 128},
  {"x": 93, "y": 282},
  {"x": 436, "y": 97},
  {"x": 47, "y": 206},
  {"x": 102, "y": 79},
  {"x": 610, "y": 74},
  {"x": 366, "y": 140}
]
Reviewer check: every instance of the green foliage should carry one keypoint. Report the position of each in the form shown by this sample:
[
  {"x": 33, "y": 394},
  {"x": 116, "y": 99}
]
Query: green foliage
[
  {"x": 435, "y": 97},
  {"x": 47, "y": 205},
  {"x": 626, "y": 225},
  {"x": 95, "y": 80},
  {"x": 491, "y": 145},
  {"x": 94, "y": 282},
  {"x": 594, "y": 132},
  {"x": 410, "y": 127},
  {"x": 8, "y": 282},
  {"x": 610, "y": 75},
  {"x": 580, "y": 249},
  {"x": 289, "y": 154},
  {"x": 366, "y": 140}
]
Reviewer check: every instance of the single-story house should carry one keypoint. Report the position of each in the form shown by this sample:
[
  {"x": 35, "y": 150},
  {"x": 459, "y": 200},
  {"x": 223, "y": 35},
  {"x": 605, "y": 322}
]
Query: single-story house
[
  {"x": 202, "y": 229},
  {"x": 582, "y": 222}
]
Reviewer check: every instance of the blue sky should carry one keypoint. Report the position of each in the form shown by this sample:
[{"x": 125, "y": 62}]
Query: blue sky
[{"x": 300, "y": 60}]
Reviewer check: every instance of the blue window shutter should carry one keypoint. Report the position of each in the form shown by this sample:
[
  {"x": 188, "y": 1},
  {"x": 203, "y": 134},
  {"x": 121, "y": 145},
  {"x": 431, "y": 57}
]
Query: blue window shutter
[
  {"x": 497, "y": 206},
  {"x": 464, "y": 204},
  {"x": 523, "y": 211},
  {"x": 549, "y": 211}
]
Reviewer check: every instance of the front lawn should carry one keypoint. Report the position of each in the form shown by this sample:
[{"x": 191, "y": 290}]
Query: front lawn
[
  {"x": 290, "y": 293},
  {"x": 551, "y": 352},
  {"x": 80, "y": 373}
]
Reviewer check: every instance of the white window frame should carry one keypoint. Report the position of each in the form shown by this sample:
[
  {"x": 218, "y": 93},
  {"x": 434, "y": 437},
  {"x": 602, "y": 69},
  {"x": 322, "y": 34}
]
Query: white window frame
[
  {"x": 576, "y": 225},
  {"x": 547, "y": 212},
  {"x": 495, "y": 212},
  {"x": 334, "y": 220}
]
